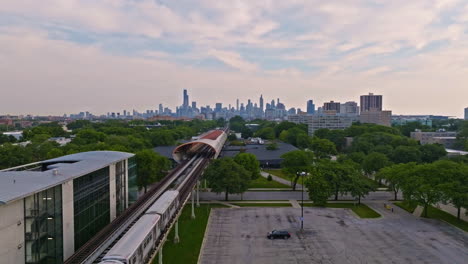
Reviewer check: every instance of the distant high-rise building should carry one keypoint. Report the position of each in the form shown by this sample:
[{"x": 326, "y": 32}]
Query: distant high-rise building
[
  {"x": 349, "y": 108},
  {"x": 194, "y": 105},
  {"x": 261, "y": 102},
  {"x": 186, "y": 99},
  {"x": 374, "y": 116},
  {"x": 161, "y": 109},
  {"x": 310, "y": 107},
  {"x": 237, "y": 105},
  {"x": 466, "y": 113},
  {"x": 332, "y": 106},
  {"x": 371, "y": 101},
  {"x": 218, "y": 107}
]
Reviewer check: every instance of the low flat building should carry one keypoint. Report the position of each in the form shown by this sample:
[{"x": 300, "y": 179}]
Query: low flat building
[
  {"x": 332, "y": 121},
  {"x": 446, "y": 138},
  {"x": 267, "y": 158},
  {"x": 50, "y": 209}
]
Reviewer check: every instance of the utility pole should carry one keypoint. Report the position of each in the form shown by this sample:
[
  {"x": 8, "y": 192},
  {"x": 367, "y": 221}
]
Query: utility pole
[
  {"x": 176, "y": 237},
  {"x": 198, "y": 193},
  {"x": 193, "y": 204}
]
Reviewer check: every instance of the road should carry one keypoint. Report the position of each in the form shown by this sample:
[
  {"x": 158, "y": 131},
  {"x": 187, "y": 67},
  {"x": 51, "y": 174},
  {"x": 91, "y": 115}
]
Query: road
[
  {"x": 286, "y": 195},
  {"x": 330, "y": 236}
]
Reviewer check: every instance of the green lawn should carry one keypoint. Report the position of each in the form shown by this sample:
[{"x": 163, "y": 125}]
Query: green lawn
[
  {"x": 278, "y": 173},
  {"x": 362, "y": 210},
  {"x": 262, "y": 182},
  {"x": 191, "y": 233},
  {"x": 262, "y": 204},
  {"x": 435, "y": 213},
  {"x": 406, "y": 206}
]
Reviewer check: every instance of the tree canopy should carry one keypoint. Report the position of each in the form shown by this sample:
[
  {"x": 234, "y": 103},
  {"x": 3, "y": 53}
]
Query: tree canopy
[{"x": 225, "y": 175}]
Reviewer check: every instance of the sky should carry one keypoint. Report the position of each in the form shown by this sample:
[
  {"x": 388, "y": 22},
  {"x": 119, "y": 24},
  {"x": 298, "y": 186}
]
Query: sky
[{"x": 67, "y": 56}]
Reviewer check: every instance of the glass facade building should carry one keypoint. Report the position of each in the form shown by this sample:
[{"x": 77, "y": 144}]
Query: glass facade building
[
  {"x": 43, "y": 227},
  {"x": 120, "y": 186},
  {"x": 91, "y": 203},
  {"x": 132, "y": 180}
]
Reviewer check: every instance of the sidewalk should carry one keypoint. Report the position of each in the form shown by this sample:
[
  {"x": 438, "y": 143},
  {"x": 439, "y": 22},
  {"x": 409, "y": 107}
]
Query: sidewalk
[{"x": 280, "y": 180}]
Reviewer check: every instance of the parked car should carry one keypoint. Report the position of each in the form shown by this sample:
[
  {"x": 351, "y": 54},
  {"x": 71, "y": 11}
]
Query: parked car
[{"x": 278, "y": 234}]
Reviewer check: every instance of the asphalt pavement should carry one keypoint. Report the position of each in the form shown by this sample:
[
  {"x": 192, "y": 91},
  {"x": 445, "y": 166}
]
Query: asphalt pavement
[{"x": 330, "y": 236}]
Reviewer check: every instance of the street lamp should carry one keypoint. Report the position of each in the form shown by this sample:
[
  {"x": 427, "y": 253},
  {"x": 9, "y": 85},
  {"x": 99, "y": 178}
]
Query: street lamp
[{"x": 302, "y": 174}]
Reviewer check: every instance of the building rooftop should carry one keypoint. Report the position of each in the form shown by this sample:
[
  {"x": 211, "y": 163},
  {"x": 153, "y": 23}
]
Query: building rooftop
[
  {"x": 260, "y": 151},
  {"x": 15, "y": 185}
]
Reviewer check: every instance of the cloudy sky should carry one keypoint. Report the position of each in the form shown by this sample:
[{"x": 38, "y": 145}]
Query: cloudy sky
[{"x": 64, "y": 56}]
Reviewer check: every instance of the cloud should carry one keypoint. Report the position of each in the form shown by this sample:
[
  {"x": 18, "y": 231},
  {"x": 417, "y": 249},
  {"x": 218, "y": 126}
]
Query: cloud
[
  {"x": 233, "y": 59},
  {"x": 264, "y": 44}
]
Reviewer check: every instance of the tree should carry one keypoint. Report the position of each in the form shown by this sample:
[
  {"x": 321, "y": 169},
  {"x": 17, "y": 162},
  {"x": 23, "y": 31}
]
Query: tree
[
  {"x": 456, "y": 189},
  {"x": 296, "y": 162},
  {"x": 374, "y": 162},
  {"x": 290, "y": 136},
  {"x": 225, "y": 175},
  {"x": 396, "y": 175},
  {"x": 266, "y": 133},
  {"x": 285, "y": 125},
  {"x": 425, "y": 185},
  {"x": 337, "y": 174},
  {"x": 319, "y": 189},
  {"x": 432, "y": 152},
  {"x": 405, "y": 154},
  {"x": 272, "y": 146},
  {"x": 360, "y": 186},
  {"x": 151, "y": 167},
  {"x": 250, "y": 163},
  {"x": 323, "y": 148},
  {"x": 88, "y": 136}
]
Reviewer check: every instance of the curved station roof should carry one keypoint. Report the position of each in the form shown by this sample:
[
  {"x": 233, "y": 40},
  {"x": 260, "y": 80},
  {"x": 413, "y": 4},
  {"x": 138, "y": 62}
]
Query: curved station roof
[{"x": 213, "y": 139}]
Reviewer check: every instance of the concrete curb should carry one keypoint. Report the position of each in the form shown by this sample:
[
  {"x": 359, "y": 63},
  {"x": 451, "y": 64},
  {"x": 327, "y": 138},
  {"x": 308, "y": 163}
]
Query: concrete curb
[{"x": 205, "y": 236}]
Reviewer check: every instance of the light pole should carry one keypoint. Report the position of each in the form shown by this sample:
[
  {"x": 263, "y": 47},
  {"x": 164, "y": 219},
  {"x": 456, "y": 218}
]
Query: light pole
[{"x": 302, "y": 202}]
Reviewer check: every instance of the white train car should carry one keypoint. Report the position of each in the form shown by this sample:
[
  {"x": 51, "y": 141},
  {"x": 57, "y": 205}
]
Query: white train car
[
  {"x": 165, "y": 206},
  {"x": 136, "y": 246}
]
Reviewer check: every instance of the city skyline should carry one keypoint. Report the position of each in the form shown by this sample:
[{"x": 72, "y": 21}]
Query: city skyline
[{"x": 94, "y": 56}]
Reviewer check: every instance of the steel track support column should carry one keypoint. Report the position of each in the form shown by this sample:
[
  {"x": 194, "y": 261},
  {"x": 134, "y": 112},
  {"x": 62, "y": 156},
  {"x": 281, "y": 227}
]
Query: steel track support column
[
  {"x": 193, "y": 204},
  {"x": 176, "y": 237},
  {"x": 198, "y": 193},
  {"x": 160, "y": 255}
]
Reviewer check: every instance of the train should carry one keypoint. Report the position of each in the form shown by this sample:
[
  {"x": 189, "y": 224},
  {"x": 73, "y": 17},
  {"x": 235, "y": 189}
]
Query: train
[{"x": 138, "y": 244}]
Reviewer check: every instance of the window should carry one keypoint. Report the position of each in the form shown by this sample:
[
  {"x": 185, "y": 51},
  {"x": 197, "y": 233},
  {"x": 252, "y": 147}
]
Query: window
[
  {"x": 91, "y": 205},
  {"x": 43, "y": 227}
]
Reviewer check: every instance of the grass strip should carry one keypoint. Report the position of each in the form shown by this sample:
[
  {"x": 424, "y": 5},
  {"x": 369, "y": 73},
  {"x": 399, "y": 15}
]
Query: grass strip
[
  {"x": 191, "y": 233},
  {"x": 362, "y": 210},
  {"x": 436, "y": 213},
  {"x": 262, "y": 182},
  {"x": 278, "y": 173},
  {"x": 263, "y": 204},
  {"x": 406, "y": 206}
]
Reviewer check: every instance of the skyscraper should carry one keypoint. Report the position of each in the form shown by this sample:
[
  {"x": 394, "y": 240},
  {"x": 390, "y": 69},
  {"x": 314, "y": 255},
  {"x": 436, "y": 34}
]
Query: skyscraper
[
  {"x": 161, "y": 109},
  {"x": 186, "y": 99},
  {"x": 237, "y": 104},
  {"x": 310, "y": 107},
  {"x": 371, "y": 101},
  {"x": 466, "y": 113},
  {"x": 194, "y": 105},
  {"x": 261, "y": 103}
]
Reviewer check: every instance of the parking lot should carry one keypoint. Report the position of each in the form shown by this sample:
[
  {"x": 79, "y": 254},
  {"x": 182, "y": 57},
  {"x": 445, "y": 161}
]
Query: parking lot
[{"x": 330, "y": 236}]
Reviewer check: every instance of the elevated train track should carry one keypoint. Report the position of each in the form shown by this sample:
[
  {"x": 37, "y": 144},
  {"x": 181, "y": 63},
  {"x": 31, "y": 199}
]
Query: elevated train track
[{"x": 183, "y": 179}]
